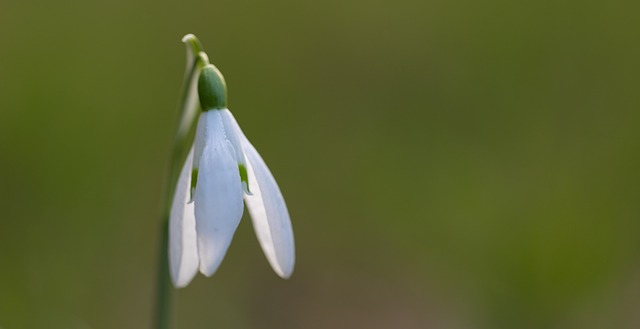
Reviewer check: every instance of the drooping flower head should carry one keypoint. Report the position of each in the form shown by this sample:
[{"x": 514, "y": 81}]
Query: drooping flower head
[{"x": 221, "y": 170}]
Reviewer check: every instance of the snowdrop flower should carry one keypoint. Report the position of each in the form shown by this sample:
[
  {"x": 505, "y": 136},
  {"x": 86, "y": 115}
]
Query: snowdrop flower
[{"x": 221, "y": 169}]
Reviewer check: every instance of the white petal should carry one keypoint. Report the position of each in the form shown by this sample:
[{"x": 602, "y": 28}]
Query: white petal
[
  {"x": 201, "y": 137},
  {"x": 269, "y": 214},
  {"x": 234, "y": 135},
  {"x": 218, "y": 194},
  {"x": 183, "y": 252}
]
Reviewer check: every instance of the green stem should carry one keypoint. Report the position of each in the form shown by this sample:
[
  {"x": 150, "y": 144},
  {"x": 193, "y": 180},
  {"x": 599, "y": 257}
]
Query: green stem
[
  {"x": 184, "y": 139},
  {"x": 164, "y": 292}
]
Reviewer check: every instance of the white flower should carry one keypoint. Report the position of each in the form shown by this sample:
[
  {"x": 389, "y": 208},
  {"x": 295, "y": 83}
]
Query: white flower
[{"x": 221, "y": 170}]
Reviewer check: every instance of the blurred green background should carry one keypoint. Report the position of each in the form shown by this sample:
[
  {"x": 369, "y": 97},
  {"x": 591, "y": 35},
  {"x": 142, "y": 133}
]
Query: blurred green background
[{"x": 447, "y": 164}]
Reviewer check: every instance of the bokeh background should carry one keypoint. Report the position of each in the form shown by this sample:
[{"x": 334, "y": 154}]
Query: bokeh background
[{"x": 447, "y": 164}]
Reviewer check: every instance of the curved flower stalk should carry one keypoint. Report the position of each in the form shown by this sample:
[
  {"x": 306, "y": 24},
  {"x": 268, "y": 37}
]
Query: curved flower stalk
[
  {"x": 221, "y": 170},
  {"x": 188, "y": 110}
]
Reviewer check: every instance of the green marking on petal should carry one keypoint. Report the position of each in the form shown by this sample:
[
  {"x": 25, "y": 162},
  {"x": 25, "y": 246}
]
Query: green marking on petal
[
  {"x": 194, "y": 182},
  {"x": 244, "y": 178}
]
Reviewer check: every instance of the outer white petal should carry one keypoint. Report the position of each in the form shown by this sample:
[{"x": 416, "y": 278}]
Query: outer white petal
[
  {"x": 183, "y": 252},
  {"x": 269, "y": 214},
  {"x": 218, "y": 194}
]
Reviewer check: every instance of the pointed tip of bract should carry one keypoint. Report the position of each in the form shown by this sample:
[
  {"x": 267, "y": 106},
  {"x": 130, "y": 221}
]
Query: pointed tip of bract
[
  {"x": 189, "y": 37},
  {"x": 192, "y": 42}
]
